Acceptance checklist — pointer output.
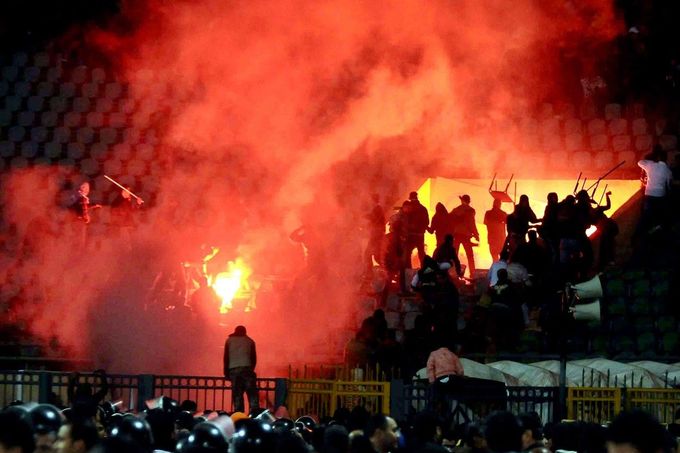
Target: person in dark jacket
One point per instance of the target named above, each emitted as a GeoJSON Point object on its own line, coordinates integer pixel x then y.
{"type": "Point", "coordinates": [240, 359]}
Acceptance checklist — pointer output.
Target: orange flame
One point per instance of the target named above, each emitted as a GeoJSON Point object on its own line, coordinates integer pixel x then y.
{"type": "Point", "coordinates": [231, 284]}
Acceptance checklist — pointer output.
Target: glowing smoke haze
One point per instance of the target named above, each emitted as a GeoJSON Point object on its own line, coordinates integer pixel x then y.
{"type": "Point", "coordinates": [275, 114]}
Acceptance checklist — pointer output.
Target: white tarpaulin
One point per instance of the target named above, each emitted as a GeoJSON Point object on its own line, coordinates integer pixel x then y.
{"type": "Point", "coordinates": [623, 374]}
{"type": "Point", "coordinates": [481, 371]}
{"type": "Point", "coordinates": [528, 375]}
{"type": "Point", "coordinates": [577, 375]}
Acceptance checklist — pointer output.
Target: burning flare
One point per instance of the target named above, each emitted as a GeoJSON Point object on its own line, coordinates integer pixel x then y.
{"type": "Point", "coordinates": [233, 284]}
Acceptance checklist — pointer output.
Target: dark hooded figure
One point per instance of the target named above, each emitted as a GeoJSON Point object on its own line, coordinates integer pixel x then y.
{"type": "Point", "coordinates": [441, 223]}
{"type": "Point", "coordinates": [240, 358]}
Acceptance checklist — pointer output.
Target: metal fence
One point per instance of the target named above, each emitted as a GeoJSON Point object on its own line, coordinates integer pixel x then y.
{"type": "Point", "coordinates": [593, 404]}
{"type": "Point", "coordinates": [322, 397]}
{"type": "Point", "coordinates": [132, 392]}
{"type": "Point", "coordinates": [417, 396]}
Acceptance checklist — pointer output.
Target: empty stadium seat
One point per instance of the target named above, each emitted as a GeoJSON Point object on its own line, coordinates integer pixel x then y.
{"type": "Point", "coordinates": [646, 343]}
{"type": "Point", "coordinates": [126, 106]}
{"type": "Point", "coordinates": [573, 126]}
{"type": "Point", "coordinates": [53, 150]}
{"type": "Point", "coordinates": [13, 103]}
{"type": "Point", "coordinates": [85, 135]}
{"type": "Point", "coordinates": [136, 167]}
{"type": "Point", "coordinates": [629, 157]}
{"type": "Point", "coordinates": [94, 119]}
{"type": "Point", "coordinates": [596, 126]}
{"type": "Point", "coordinates": [113, 167]}
{"type": "Point", "coordinates": [621, 143]}
{"type": "Point", "coordinates": [131, 135]}
{"type": "Point", "coordinates": [41, 59]}
{"type": "Point", "coordinates": [643, 143]}
{"type": "Point", "coordinates": [603, 160]}
{"type": "Point", "coordinates": [573, 142]}
{"type": "Point", "coordinates": [108, 135]}
{"type": "Point", "coordinates": [612, 111]}
{"type": "Point", "coordinates": [31, 74]}
{"type": "Point", "coordinates": [22, 89]}
{"type": "Point", "coordinates": [639, 126]}
{"type": "Point", "coordinates": [89, 90]}
{"type": "Point", "coordinates": [599, 142]}
{"type": "Point", "coordinates": [581, 160]}
{"type": "Point", "coordinates": [49, 119]}
{"type": "Point", "coordinates": [618, 127]}
{"type": "Point", "coordinates": [666, 324]}
{"type": "Point", "coordinates": [98, 75]}
{"type": "Point", "coordinates": [53, 74]}
{"type": "Point", "coordinates": [122, 151]}
{"type": "Point", "coordinates": [25, 119]}
{"type": "Point", "coordinates": [103, 105]}
{"type": "Point", "coordinates": [669, 343]}
{"type": "Point", "coordinates": [7, 148]}
{"type": "Point", "coordinates": [113, 90]}
{"type": "Point", "coordinates": [99, 151]}
{"type": "Point", "coordinates": [75, 151]}
{"type": "Point", "coordinates": [67, 89]}
{"type": "Point", "coordinates": [16, 133]}
{"type": "Point", "coordinates": [5, 118]}
{"type": "Point", "coordinates": [89, 167]}
{"type": "Point", "coordinates": [117, 120]}
{"type": "Point", "coordinates": [20, 59]}
{"type": "Point", "coordinates": [35, 103]}
{"type": "Point", "coordinates": [58, 104]}
{"type": "Point", "coordinates": [81, 105]}
{"type": "Point", "coordinates": [62, 134]}
{"type": "Point", "coordinates": [552, 142]}
{"type": "Point", "coordinates": [29, 150]}
{"type": "Point", "coordinates": [10, 73]}
{"type": "Point", "coordinates": [80, 74]}
{"type": "Point", "coordinates": [668, 142]}
{"type": "Point", "coordinates": [39, 134]}
{"type": "Point", "coordinates": [45, 89]}
{"type": "Point", "coordinates": [72, 119]}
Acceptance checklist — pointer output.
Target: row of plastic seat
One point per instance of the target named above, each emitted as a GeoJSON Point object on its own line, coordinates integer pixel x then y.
{"type": "Point", "coordinates": [23, 89]}
{"type": "Point", "coordinates": [577, 142]}
{"type": "Point", "coordinates": [33, 73]}
{"type": "Point", "coordinates": [595, 126]}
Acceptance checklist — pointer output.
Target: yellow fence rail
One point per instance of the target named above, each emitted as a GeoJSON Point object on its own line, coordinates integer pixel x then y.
{"type": "Point", "coordinates": [661, 403]}
{"type": "Point", "coordinates": [593, 404]}
{"type": "Point", "coordinates": [319, 397]}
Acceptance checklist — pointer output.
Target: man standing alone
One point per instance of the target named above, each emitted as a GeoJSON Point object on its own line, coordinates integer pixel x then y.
{"type": "Point", "coordinates": [240, 359]}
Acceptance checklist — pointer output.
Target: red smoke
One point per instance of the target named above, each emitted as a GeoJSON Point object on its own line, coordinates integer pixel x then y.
{"type": "Point", "coordinates": [274, 114]}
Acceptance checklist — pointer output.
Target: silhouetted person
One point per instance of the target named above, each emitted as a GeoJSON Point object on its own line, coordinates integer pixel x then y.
{"type": "Point", "coordinates": [503, 432]}
{"type": "Point", "coordinates": [441, 223]}
{"type": "Point", "coordinates": [464, 230]}
{"type": "Point", "coordinates": [445, 253]}
{"type": "Point", "coordinates": [376, 233]}
{"type": "Point", "coordinates": [549, 228]}
{"type": "Point", "coordinates": [417, 224]}
{"type": "Point", "coordinates": [84, 400]}
{"type": "Point", "coordinates": [240, 359]}
{"type": "Point", "coordinates": [532, 255]}
{"type": "Point", "coordinates": [520, 219]}
{"type": "Point", "coordinates": [608, 230]}
{"type": "Point", "coordinates": [495, 220]}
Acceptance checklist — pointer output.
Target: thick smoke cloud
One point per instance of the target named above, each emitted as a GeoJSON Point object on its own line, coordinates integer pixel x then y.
{"type": "Point", "coordinates": [276, 114]}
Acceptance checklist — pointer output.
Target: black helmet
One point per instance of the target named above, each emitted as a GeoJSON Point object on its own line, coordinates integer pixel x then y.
{"type": "Point", "coordinates": [136, 429]}
{"type": "Point", "coordinates": [184, 420]}
{"type": "Point", "coordinates": [283, 425]}
{"type": "Point", "coordinates": [306, 421]}
{"type": "Point", "coordinates": [205, 438]}
{"type": "Point", "coordinates": [169, 405]}
{"type": "Point", "coordinates": [253, 436]}
{"type": "Point", "coordinates": [45, 418]}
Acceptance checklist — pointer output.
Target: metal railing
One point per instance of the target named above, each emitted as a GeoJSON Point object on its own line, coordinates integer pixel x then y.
{"type": "Point", "coordinates": [133, 391]}
{"type": "Point", "coordinates": [661, 403]}
{"type": "Point", "coordinates": [322, 397]}
{"type": "Point", "coordinates": [593, 404]}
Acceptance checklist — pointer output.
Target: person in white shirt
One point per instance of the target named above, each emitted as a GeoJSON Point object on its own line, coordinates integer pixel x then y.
{"type": "Point", "coordinates": [659, 178]}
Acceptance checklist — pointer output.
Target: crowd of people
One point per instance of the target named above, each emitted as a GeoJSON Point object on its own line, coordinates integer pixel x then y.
{"type": "Point", "coordinates": [535, 258]}
{"type": "Point", "coordinates": [90, 425]}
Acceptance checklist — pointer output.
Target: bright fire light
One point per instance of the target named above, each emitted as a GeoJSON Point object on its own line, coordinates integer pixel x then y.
{"type": "Point", "coordinates": [232, 283]}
